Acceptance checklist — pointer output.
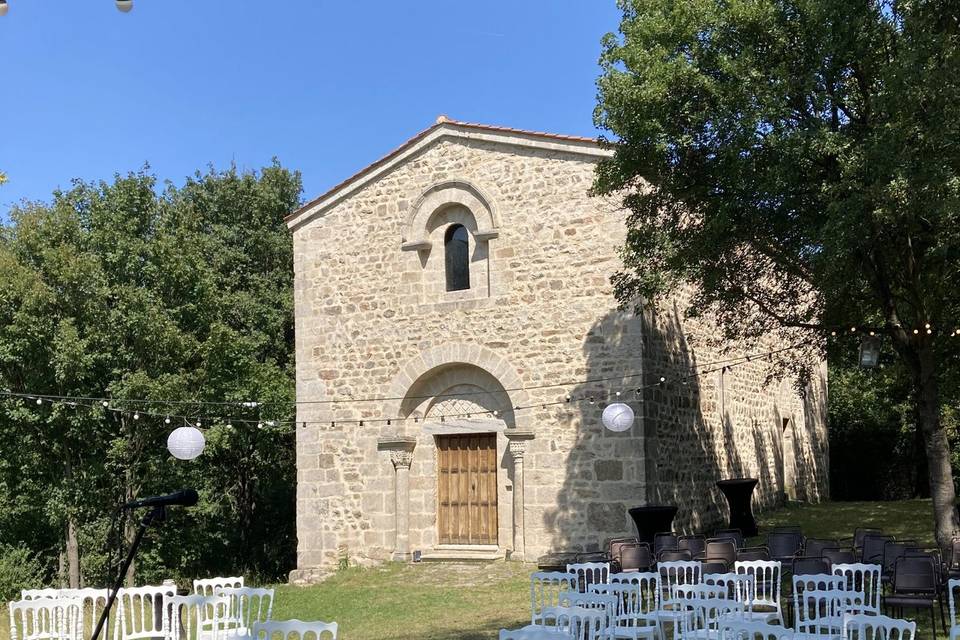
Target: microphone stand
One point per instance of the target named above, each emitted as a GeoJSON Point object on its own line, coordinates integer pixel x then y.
{"type": "Point", "coordinates": [158, 513]}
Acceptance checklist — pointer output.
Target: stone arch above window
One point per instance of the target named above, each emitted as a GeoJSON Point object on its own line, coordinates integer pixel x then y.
{"type": "Point", "coordinates": [416, 234]}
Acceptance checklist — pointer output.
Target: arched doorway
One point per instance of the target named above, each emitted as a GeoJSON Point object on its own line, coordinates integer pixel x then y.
{"type": "Point", "coordinates": [465, 411]}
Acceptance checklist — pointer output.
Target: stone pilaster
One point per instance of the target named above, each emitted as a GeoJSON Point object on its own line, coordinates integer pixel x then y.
{"type": "Point", "coordinates": [517, 447]}
{"type": "Point", "coordinates": [401, 455]}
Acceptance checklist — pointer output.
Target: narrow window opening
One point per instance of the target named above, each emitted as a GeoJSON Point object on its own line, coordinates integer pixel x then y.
{"type": "Point", "coordinates": [456, 245]}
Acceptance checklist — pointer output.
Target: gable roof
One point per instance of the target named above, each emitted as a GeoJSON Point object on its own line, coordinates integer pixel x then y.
{"type": "Point", "coordinates": [445, 128]}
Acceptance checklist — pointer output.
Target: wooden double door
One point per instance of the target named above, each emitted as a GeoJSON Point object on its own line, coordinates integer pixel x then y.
{"type": "Point", "coordinates": [467, 488]}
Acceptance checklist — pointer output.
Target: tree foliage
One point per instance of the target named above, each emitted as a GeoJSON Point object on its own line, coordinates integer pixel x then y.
{"type": "Point", "coordinates": [126, 291]}
{"type": "Point", "coordinates": [797, 160]}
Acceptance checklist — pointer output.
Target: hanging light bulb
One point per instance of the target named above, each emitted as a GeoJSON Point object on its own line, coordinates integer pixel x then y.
{"type": "Point", "coordinates": [39, 400]}
{"type": "Point", "coordinates": [136, 416]}
{"type": "Point", "coordinates": [105, 404]}
{"type": "Point", "coordinates": [166, 420]}
{"type": "Point", "coordinates": [124, 6]}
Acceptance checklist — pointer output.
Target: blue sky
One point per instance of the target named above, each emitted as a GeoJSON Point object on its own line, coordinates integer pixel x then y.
{"type": "Point", "coordinates": [327, 87]}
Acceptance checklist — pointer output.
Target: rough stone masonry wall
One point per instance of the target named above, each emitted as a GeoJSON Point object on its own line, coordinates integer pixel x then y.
{"type": "Point", "coordinates": [726, 424]}
{"type": "Point", "coordinates": [364, 320]}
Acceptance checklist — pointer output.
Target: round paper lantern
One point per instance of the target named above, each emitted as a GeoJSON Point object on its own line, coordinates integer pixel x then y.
{"type": "Point", "coordinates": [124, 5]}
{"type": "Point", "coordinates": [3, 7]}
{"type": "Point", "coordinates": [185, 443]}
{"type": "Point", "coordinates": [618, 416]}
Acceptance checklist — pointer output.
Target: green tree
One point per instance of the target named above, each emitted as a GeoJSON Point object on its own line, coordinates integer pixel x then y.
{"type": "Point", "coordinates": [797, 160]}
{"type": "Point", "coordinates": [115, 290]}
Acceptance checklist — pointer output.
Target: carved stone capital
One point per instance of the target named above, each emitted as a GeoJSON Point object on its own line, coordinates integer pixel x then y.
{"type": "Point", "coordinates": [401, 459]}
{"type": "Point", "coordinates": [518, 442]}
{"type": "Point", "coordinates": [400, 449]}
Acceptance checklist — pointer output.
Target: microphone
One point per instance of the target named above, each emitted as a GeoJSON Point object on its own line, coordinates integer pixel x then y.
{"type": "Point", "coordinates": [183, 498]}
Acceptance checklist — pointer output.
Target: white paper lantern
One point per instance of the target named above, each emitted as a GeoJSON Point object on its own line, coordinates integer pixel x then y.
{"type": "Point", "coordinates": [124, 6]}
{"type": "Point", "coordinates": [186, 443]}
{"type": "Point", "coordinates": [618, 416]}
{"type": "Point", "coordinates": [4, 7]}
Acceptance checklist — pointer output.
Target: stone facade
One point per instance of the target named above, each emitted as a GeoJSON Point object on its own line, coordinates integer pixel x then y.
{"type": "Point", "coordinates": [374, 320]}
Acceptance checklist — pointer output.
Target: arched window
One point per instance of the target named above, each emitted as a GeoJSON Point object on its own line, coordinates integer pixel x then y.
{"type": "Point", "coordinates": [456, 245]}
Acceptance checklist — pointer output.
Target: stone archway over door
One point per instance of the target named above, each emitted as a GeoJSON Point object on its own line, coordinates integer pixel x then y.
{"type": "Point", "coordinates": [467, 489]}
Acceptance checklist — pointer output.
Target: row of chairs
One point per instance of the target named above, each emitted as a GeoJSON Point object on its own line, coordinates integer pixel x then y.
{"type": "Point", "coordinates": [915, 578]}
{"type": "Point", "coordinates": [218, 608]}
{"type": "Point", "coordinates": [574, 623]}
{"type": "Point", "coordinates": [586, 603]}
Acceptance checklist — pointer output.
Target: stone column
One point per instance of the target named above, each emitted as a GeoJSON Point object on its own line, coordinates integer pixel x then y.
{"type": "Point", "coordinates": [518, 446]}
{"type": "Point", "coordinates": [401, 455]}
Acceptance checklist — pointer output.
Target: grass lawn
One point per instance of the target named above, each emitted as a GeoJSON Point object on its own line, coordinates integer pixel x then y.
{"type": "Point", "coordinates": [426, 601]}
{"type": "Point", "coordinates": [473, 601]}
{"type": "Point", "coordinates": [908, 519]}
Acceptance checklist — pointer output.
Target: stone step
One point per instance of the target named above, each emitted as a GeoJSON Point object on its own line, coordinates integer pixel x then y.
{"type": "Point", "coordinates": [463, 555]}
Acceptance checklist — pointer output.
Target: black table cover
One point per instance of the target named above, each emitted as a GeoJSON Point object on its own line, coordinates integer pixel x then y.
{"type": "Point", "coordinates": [739, 492]}
{"type": "Point", "coordinates": [652, 519]}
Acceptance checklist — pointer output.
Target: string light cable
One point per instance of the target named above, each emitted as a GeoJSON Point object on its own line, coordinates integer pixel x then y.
{"type": "Point", "coordinates": [202, 419]}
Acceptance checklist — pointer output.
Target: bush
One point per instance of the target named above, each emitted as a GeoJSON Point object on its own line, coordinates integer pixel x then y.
{"type": "Point", "coordinates": [19, 569]}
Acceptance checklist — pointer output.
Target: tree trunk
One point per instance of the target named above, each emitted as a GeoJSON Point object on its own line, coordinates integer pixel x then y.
{"type": "Point", "coordinates": [921, 471]}
{"type": "Point", "coordinates": [73, 553]}
{"type": "Point", "coordinates": [72, 544]}
{"type": "Point", "coordinates": [130, 532]}
{"type": "Point", "coordinates": [927, 396]}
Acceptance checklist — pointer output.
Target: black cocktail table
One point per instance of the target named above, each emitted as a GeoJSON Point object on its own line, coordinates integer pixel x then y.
{"type": "Point", "coordinates": [739, 492]}
{"type": "Point", "coordinates": [652, 519]}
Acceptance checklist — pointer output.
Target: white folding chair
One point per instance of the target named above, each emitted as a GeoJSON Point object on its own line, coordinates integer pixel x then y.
{"type": "Point", "coordinates": [140, 613]}
{"type": "Point", "coordinates": [701, 591]}
{"type": "Point", "coordinates": [864, 578]}
{"type": "Point", "coordinates": [952, 585]}
{"type": "Point", "coordinates": [533, 633]}
{"type": "Point", "coordinates": [736, 586]}
{"type": "Point", "coordinates": [209, 586]}
{"type": "Point", "coordinates": [183, 616]}
{"type": "Point", "coordinates": [92, 602]}
{"type": "Point", "coordinates": [818, 613]}
{"type": "Point", "coordinates": [633, 619]}
{"type": "Point", "coordinates": [282, 630]}
{"type": "Point", "coordinates": [763, 595]}
{"type": "Point", "coordinates": [813, 582]}
{"type": "Point", "coordinates": [577, 622]}
{"type": "Point", "coordinates": [671, 575]}
{"type": "Point", "coordinates": [247, 605]}
{"type": "Point", "coordinates": [589, 573]}
{"type": "Point", "coordinates": [545, 589]}
{"type": "Point", "coordinates": [744, 629]}
{"type": "Point", "coordinates": [33, 594]}
{"type": "Point", "coordinates": [705, 617]}
{"type": "Point", "coordinates": [877, 627]}
{"type": "Point", "coordinates": [45, 619]}
{"type": "Point", "coordinates": [646, 617]}
{"type": "Point", "coordinates": [600, 601]}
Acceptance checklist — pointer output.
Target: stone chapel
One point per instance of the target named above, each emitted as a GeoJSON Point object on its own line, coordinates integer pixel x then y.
{"type": "Point", "coordinates": [456, 342]}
